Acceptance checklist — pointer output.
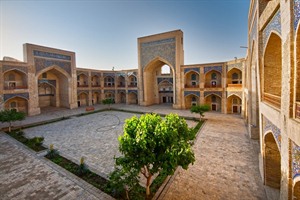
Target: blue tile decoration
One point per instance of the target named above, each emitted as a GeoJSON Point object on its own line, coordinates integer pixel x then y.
{"type": "Point", "coordinates": [9, 96]}
{"type": "Point", "coordinates": [82, 91]}
{"type": "Point", "coordinates": [99, 91]}
{"type": "Point", "coordinates": [109, 91]}
{"type": "Point", "coordinates": [295, 160]}
{"type": "Point", "coordinates": [165, 49]}
{"type": "Point", "coordinates": [50, 82]}
{"type": "Point", "coordinates": [41, 64]}
{"type": "Point", "coordinates": [195, 69]}
{"type": "Point", "coordinates": [159, 80]}
{"type": "Point", "coordinates": [96, 74]}
{"type": "Point", "coordinates": [236, 65]}
{"type": "Point", "coordinates": [218, 93]}
{"type": "Point", "coordinates": [82, 72]}
{"type": "Point", "coordinates": [121, 74]}
{"type": "Point", "coordinates": [253, 33]}
{"type": "Point", "coordinates": [121, 91]}
{"type": "Point", "coordinates": [210, 68]}
{"type": "Point", "coordinates": [196, 93]}
{"type": "Point", "coordinates": [269, 126]}
{"type": "Point", "coordinates": [296, 13]}
{"type": "Point", "coordinates": [109, 74]}
{"type": "Point", "coordinates": [51, 55]}
{"type": "Point", "coordinates": [239, 94]}
{"type": "Point", "coordinates": [6, 68]}
{"type": "Point", "coordinates": [273, 25]}
{"type": "Point", "coordinates": [132, 91]}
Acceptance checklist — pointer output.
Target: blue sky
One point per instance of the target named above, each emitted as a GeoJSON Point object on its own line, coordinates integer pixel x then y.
{"type": "Point", "coordinates": [103, 34]}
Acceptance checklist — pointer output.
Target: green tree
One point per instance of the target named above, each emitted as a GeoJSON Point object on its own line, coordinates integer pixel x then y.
{"type": "Point", "coordinates": [11, 116]}
{"type": "Point", "coordinates": [108, 102]}
{"type": "Point", "coordinates": [200, 109]}
{"type": "Point", "coordinates": [151, 144]}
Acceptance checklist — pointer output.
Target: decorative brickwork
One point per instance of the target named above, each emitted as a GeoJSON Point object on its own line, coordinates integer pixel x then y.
{"type": "Point", "coordinates": [218, 93]}
{"type": "Point", "coordinates": [295, 159]}
{"type": "Point", "coordinates": [6, 68]}
{"type": "Point", "coordinates": [51, 55]}
{"type": "Point", "coordinates": [82, 72]}
{"type": "Point", "coordinates": [41, 64]}
{"type": "Point", "coordinates": [186, 70]}
{"type": "Point", "coordinates": [96, 74]}
{"type": "Point", "coordinates": [51, 82]}
{"type": "Point", "coordinates": [109, 74]}
{"type": "Point", "coordinates": [159, 80]}
{"type": "Point", "coordinates": [269, 126]}
{"type": "Point", "coordinates": [121, 91]}
{"type": "Point", "coordinates": [210, 68]}
{"type": "Point", "coordinates": [196, 93]}
{"type": "Point", "coordinates": [236, 65]}
{"type": "Point", "coordinates": [132, 91]}
{"type": "Point", "coordinates": [82, 91]}
{"type": "Point", "coordinates": [165, 49]}
{"type": "Point", "coordinates": [239, 94]}
{"type": "Point", "coordinates": [274, 25]}
{"type": "Point", "coordinates": [9, 96]}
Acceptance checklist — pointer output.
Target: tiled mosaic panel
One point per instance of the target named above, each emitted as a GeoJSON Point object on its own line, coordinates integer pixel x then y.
{"type": "Point", "coordinates": [51, 82]}
{"type": "Point", "coordinates": [295, 159]}
{"type": "Point", "coordinates": [274, 25]}
{"type": "Point", "coordinates": [239, 94]}
{"type": "Point", "coordinates": [10, 67]}
{"type": "Point", "coordinates": [296, 13]}
{"type": "Point", "coordinates": [237, 65]}
{"type": "Point", "coordinates": [108, 74]}
{"type": "Point", "coordinates": [132, 91]}
{"type": "Point", "coordinates": [210, 68]}
{"type": "Point", "coordinates": [196, 93]}
{"type": "Point", "coordinates": [51, 55]}
{"type": "Point", "coordinates": [186, 70]}
{"type": "Point", "coordinates": [41, 64]}
{"type": "Point", "coordinates": [9, 96]}
{"type": "Point", "coordinates": [159, 80]}
{"type": "Point", "coordinates": [269, 126]}
{"type": "Point", "coordinates": [82, 72]}
{"type": "Point", "coordinates": [207, 93]}
{"type": "Point", "coordinates": [165, 49]}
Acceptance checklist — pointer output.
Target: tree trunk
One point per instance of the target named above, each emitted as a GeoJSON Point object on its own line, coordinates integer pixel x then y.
{"type": "Point", "coordinates": [148, 185]}
{"type": "Point", "coordinates": [9, 127]}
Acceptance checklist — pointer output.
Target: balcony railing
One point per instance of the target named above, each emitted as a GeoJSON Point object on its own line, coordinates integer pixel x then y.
{"type": "Point", "coordinates": [212, 86]}
{"type": "Point", "coordinates": [272, 99]}
{"type": "Point", "coordinates": [191, 86]}
{"type": "Point", "coordinates": [297, 113]}
{"type": "Point", "coordinates": [82, 85]}
{"type": "Point", "coordinates": [234, 85]}
{"type": "Point", "coordinates": [96, 85]}
{"type": "Point", "coordinates": [15, 87]}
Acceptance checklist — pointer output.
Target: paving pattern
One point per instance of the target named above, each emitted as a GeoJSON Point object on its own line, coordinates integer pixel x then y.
{"type": "Point", "coordinates": [226, 165]}
{"type": "Point", "coordinates": [23, 175]}
{"type": "Point", "coordinates": [94, 136]}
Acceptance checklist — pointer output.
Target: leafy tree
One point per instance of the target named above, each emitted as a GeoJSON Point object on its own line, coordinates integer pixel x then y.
{"type": "Point", "coordinates": [11, 116]}
{"type": "Point", "coordinates": [200, 109]}
{"type": "Point", "coordinates": [108, 102]}
{"type": "Point", "coordinates": [151, 144]}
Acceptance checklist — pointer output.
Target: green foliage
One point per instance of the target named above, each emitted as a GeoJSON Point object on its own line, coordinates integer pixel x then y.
{"type": "Point", "coordinates": [82, 169]}
{"type": "Point", "coordinates": [33, 143]}
{"type": "Point", "coordinates": [108, 102]}
{"type": "Point", "coordinates": [11, 116]}
{"type": "Point", "coordinates": [52, 152]}
{"type": "Point", "coordinates": [151, 144]}
{"type": "Point", "coordinates": [200, 109]}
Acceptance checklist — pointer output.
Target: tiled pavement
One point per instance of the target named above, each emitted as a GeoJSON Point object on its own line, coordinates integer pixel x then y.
{"type": "Point", "coordinates": [226, 165]}
{"type": "Point", "coordinates": [25, 175]}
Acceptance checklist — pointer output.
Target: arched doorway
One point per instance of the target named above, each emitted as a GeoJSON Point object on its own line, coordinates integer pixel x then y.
{"type": "Point", "coordinates": [272, 161]}
{"type": "Point", "coordinates": [213, 79]}
{"type": "Point", "coordinates": [121, 81]}
{"type": "Point", "coordinates": [132, 98]}
{"type": "Point", "coordinates": [95, 81]}
{"type": "Point", "coordinates": [53, 88]}
{"type": "Point", "coordinates": [272, 71]}
{"type": "Point", "coordinates": [122, 97]}
{"type": "Point", "coordinates": [109, 81]}
{"type": "Point", "coordinates": [214, 101]}
{"type": "Point", "coordinates": [96, 98]}
{"type": "Point", "coordinates": [191, 100]}
{"type": "Point", "coordinates": [82, 99]}
{"type": "Point", "coordinates": [153, 73]}
{"type": "Point", "coordinates": [192, 80]}
{"type": "Point", "coordinates": [165, 92]}
{"type": "Point", "coordinates": [17, 103]}
{"type": "Point", "coordinates": [234, 104]}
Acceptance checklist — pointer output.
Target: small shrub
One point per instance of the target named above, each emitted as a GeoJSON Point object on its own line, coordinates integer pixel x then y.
{"type": "Point", "coordinates": [82, 169]}
{"type": "Point", "coordinates": [52, 152]}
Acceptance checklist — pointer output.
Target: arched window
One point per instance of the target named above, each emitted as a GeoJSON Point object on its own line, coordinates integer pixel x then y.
{"type": "Point", "coordinates": [213, 76]}
{"type": "Point", "coordinates": [235, 76]}
{"type": "Point", "coordinates": [194, 98]}
{"type": "Point", "coordinates": [165, 69]}
{"type": "Point", "coordinates": [234, 101]}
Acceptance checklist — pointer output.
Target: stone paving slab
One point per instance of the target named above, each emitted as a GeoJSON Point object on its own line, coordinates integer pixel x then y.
{"type": "Point", "coordinates": [23, 175]}
{"type": "Point", "coordinates": [226, 165]}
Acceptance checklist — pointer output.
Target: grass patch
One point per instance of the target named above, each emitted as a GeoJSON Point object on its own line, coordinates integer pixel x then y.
{"type": "Point", "coordinates": [33, 143]}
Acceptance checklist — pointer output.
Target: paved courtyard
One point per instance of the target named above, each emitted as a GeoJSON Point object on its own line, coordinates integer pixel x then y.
{"type": "Point", "coordinates": [226, 164]}
{"type": "Point", "coordinates": [94, 136]}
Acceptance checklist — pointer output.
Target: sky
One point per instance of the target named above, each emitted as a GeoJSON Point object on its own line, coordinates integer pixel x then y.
{"type": "Point", "coordinates": [103, 34]}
